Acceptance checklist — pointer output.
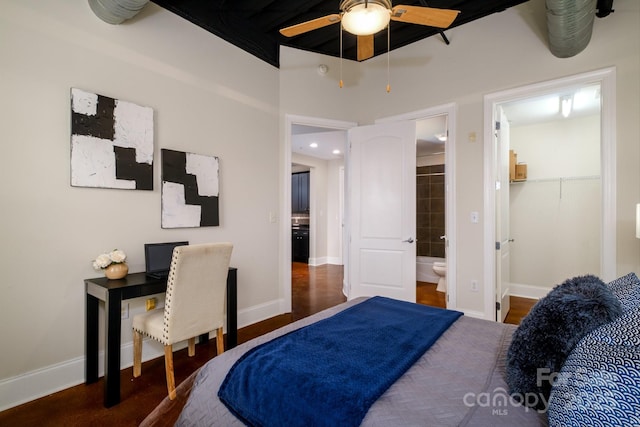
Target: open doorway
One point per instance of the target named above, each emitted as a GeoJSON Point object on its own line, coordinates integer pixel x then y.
{"type": "Point", "coordinates": [436, 231]}
{"type": "Point", "coordinates": [551, 219]}
{"type": "Point", "coordinates": [309, 148]}
{"type": "Point", "coordinates": [431, 250]}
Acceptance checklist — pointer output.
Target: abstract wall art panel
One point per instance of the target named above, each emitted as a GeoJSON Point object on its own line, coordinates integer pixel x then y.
{"type": "Point", "coordinates": [111, 142]}
{"type": "Point", "coordinates": [190, 190]}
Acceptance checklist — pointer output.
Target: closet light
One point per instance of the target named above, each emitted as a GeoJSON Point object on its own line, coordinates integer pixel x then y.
{"type": "Point", "coordinates": [566, 106]}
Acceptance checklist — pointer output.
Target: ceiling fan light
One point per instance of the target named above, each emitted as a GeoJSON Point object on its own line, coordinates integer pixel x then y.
{"type": "Point", "coordinates": [364, 20]}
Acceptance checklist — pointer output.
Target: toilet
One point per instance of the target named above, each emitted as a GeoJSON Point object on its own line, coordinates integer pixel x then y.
{"type": "Point", "coordinates": [440, 268]}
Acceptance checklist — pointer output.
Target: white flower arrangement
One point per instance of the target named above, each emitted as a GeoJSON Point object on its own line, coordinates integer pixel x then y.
{"type": "Point", "coordinates": [102, 261]}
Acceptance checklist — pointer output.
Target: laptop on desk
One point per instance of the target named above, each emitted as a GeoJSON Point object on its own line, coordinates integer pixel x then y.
{"type": "Point", "coordinates": [157, 258]}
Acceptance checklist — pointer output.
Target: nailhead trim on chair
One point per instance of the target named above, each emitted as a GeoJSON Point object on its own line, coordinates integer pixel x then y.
{"type": "Point", "coordinates": [169, 294]}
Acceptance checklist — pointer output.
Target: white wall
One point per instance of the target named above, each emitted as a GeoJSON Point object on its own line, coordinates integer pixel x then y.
{"type": "Point", "coordinates": [203, 91]}
{"type": "Point", "coordinates": [555, 215]}
{"type": "Point", "coordinates": [559, 148]}
{"type": "Point", "coordinates": [334, 211]}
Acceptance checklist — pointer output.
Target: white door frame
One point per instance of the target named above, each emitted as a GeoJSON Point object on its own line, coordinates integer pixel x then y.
{"type": "Point", "coordinates": [607, 79]}
{"type": "Point", "coordinates": [450, 200]}
{"type": "Point", "coordinates": [503, 231]}
{"type": "Point", "coordinates": [285, 214]}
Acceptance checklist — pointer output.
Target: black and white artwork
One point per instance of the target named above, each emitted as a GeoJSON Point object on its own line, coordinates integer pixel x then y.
{"type": "Point", "coordinates": [190, 190]}
{"type": "Point", "coordinates": [111, 142]}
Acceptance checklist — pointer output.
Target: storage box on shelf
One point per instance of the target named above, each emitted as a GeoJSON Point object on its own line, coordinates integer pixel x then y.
{"type": "Point", "coordinates": [517, 171]}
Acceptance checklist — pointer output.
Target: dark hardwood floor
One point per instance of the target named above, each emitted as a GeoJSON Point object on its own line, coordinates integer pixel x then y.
{"type": "Point", "coordinates": [313, 289]}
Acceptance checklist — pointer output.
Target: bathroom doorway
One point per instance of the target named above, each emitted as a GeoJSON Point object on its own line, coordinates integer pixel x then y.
{"type": "Point", "coordinates": [435, 200]}
{"type": "Point", "coordinates": [431, 250]}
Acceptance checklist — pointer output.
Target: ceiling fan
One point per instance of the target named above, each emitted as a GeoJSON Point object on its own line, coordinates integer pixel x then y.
{"type": "Point", "coordinates": [364, 18]}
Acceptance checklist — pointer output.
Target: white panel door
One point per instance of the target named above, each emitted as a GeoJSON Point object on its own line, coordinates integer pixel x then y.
{"type": "Point", "coordinates": [503, 234]}
{"type": "Point", "coordinates": [382, 206]}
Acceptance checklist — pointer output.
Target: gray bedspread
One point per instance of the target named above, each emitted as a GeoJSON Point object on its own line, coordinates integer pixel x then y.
{"type": "Point", "coordinates": [459, 381]}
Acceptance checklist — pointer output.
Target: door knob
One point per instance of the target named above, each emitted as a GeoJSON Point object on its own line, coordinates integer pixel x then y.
{"type": "Point", "coordinates": [409, 240]}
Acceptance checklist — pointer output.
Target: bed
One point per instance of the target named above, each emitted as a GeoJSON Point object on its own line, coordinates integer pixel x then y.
{"type": "Point", "coordinates": [461, 380]}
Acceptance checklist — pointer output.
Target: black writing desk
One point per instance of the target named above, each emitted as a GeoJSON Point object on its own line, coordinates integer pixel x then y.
{"type": "Point", "coordinates": [111, 293]}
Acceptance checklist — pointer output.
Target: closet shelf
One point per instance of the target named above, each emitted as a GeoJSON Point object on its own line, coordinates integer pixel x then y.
{"type": "Point", "coordinates": [561, 178]}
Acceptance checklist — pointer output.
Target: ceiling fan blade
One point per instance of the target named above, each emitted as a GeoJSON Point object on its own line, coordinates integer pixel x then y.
{"type": "Point", "coordinates": [365, 47]}
{"type": "Point", "coordinates": [314, 24]}
{"type": "Point", "coordinates": [440, 18]}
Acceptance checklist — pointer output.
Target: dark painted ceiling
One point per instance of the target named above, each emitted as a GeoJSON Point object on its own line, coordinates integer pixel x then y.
{"type": "Point", "coordinates": [253, 25]}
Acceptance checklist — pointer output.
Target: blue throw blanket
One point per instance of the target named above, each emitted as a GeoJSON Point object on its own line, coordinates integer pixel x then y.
{"type": "Point", "coordinates": [331, 372]}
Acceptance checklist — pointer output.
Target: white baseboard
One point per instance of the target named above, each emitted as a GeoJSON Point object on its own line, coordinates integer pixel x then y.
{"type": "Point", "coordinates": [472, 313]}
{"type": "Point", "coordinates": [427, 277]}
{"type": "Point", "coordinates": [260, 312]}
{"type": "Point", "coordinates": [38, 383]}
{"type": "Point", "coordinates": [26, 387]}
{"type": "Point", "coordinates": [317, 261]}
{"type": "Point", "coordinates": [325, 260]}
{"type": "Point", "coordinates": [51, 379]}
{"type": "Point", "coordinates": [527, 291]}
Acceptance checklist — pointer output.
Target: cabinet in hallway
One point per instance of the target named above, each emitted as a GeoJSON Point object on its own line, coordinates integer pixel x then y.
{"type": "Point", "coordinates": [300, 244]}
{"type": "Point", "coordinates": [300, 192]}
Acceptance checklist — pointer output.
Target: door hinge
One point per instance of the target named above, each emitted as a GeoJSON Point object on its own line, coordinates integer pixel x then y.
{"type": "Point", "coordinates": [497, 125]}
{"type": "Point", "coordinates": [497, 305]}
{"type": "Point", "coordinates": [497, 246]}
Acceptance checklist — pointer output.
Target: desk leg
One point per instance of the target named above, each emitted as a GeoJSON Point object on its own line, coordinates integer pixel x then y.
{"type": "Point", "coordinates": [112, 334]}
{"type": "Point", "coordinates": [91, 339]}
{"type": "Point", "coordinates": [232, 309]}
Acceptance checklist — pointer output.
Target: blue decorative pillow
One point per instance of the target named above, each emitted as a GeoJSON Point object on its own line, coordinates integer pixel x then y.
{"type": "Point", "coordinates": [627, 290]}
{"type": "Point", "coordinates": [551, 330]}
{"type": "Point", "coordinates": [625, 330]}
{"type": "Point", "coordinates": [599, 385]}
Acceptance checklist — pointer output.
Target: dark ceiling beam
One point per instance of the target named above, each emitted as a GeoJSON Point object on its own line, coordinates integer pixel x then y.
{"type": "Point", "coordinates": [284, 14]}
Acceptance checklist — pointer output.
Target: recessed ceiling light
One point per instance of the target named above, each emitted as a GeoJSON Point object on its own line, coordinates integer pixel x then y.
{"type": "Point", "coordinates": [336, 151]}
{"type": "Point", "coordinates": [313, 145]}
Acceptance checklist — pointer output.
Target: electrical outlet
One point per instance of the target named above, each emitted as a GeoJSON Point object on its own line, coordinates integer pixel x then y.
{"type": "Point", "coordinates": [474, 286]}
{"type": "Point", "coordinates": [151, 304]}
{"type": "Point", "coordinates": [124, 312]}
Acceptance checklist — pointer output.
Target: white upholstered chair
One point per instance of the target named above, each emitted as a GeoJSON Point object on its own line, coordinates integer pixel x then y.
{"type": "Point", "coordinates": [194, 304]}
